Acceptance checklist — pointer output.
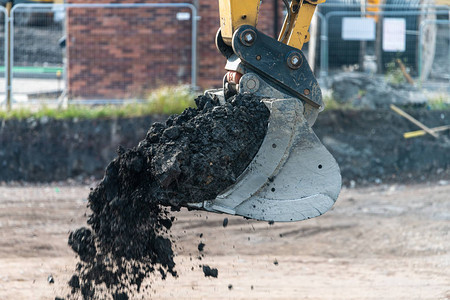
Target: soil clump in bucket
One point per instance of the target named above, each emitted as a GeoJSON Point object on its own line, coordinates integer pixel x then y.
{"type": "Point", "coordinates": [191, 158]}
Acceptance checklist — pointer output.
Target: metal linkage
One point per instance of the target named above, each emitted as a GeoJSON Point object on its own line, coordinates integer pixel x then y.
{"type": "Point", "coordinates": [284, 66]}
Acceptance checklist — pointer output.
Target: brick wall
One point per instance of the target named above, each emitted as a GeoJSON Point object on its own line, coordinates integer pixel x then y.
{"type": "Point", "coordinates": [124, 53]}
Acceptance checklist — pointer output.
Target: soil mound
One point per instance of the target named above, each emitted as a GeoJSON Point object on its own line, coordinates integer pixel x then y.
{"type": "Point", "coordinates": [191, 158]}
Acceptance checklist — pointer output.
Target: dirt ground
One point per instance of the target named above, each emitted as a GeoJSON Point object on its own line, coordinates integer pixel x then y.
{"type": "Point", "coordinates": [384, 242]}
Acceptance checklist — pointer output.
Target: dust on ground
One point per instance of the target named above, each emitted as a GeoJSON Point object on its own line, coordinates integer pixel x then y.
{"type": "Point", "coordinates": [384, 242]}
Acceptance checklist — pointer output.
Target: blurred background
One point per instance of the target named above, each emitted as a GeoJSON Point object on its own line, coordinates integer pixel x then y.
{"type": "Point", "coordinates": [72, 51]}
{"type": "Point", "coordinates": [78, 78]}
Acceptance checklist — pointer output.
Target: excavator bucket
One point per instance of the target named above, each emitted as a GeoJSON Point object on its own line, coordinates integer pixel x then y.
{"type": "Point", "coordinates": [293, 177]}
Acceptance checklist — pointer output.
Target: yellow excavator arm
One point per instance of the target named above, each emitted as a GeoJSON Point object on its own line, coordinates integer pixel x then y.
{"type": "Point", "coordinates": [235, 13]}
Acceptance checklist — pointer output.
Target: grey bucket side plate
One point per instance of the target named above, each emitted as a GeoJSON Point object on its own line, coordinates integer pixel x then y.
{"type": "Point", "coordinates": [293, 177]}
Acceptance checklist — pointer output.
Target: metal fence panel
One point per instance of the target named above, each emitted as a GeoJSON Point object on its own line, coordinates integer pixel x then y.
{"type": "Point", "coordinates": [122, 51]}
{"type": "Point", "coordinates": [101, 52]}
{"type": "Point", "coordinates": [359, 55]}
{"type": "Point", "coordinates": [37, 58]}
{"type": "Point", "coordinates": [3, 39]}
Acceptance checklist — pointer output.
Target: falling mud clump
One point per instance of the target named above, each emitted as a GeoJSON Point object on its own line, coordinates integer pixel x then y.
{"type": "Point", "coordinates": [201, 246]}
{"type": "Point", "coordinates": [191, 158]}
{"type": "Point", "coordinates": [210, 272]}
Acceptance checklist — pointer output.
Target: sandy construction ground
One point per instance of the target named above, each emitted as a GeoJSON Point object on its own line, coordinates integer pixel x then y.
{"type": "Point", "coordinates": [386, 242]}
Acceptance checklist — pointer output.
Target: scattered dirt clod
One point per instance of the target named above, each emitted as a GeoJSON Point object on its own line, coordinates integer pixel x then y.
{"type": "Point", "coordinates": [50, 279]}
{"type": "Point", "coordinates": [210, 272]}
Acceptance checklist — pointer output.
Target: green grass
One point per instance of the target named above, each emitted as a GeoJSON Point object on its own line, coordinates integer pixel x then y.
{"type": "Point", "coordinates": [331, 104]}
{"type": "Point", "coordinates": [394, 74]}
{"type": "Point", "coordinates": [171, 100]}
{"type": "Point", "coordinates": [441, 102]}
{"type": "Point", "coordinates": [167, 100]}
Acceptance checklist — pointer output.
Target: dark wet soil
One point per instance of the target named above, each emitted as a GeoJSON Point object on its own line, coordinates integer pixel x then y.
{"type": "Point", "coordinates": [210, 272]}
{"type": "Point", "coordinates": [367, 144]}
{"type": "Point", "coordinates": [191, 158]}
{"type": "Point", "coordinates": [201, 247]}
